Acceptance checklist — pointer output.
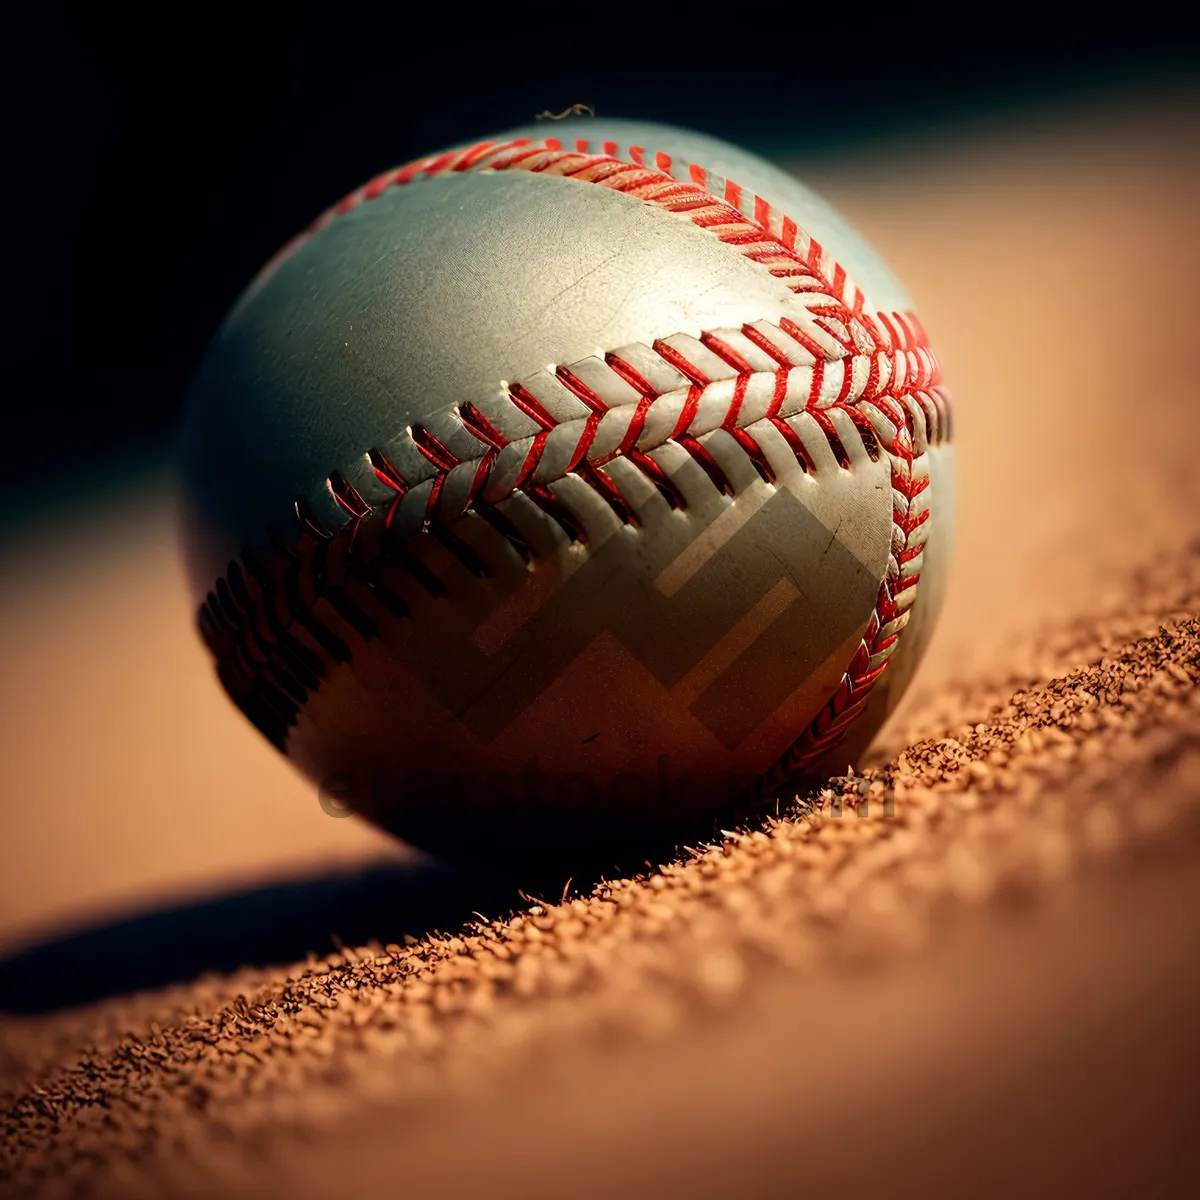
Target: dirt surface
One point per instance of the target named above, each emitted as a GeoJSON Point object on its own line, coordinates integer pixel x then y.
{"type": "Point", "coordinates": [970, 969]}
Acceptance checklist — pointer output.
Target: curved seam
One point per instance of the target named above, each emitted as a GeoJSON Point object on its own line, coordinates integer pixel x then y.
{"type": "Point", "coordinates": [888, 385]}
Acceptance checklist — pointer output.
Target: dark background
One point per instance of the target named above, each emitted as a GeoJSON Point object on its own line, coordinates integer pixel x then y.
{"type": "Point", "coordinates": [151, 169]}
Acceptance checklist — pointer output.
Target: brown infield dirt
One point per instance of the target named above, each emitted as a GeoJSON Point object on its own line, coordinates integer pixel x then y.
{"type": "Point", "coordinates": [992, 989]}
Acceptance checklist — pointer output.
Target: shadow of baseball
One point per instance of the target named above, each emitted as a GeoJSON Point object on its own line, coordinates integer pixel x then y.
{"type": "Point", "coordinates": [284, 921]}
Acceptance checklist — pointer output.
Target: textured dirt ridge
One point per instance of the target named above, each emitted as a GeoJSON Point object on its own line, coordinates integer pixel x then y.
{"type": "Point", "coordinates": [1087, 750]}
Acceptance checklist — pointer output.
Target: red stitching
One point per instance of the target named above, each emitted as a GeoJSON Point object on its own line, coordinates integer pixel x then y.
{"type": "Point", "coordinates": [431, 504]}
{"type": "Point", "coordinates": [754, 453]}
{"type": "Point", "coordinates": [347, 496]}
{"type": "Point", "coordinates": [530, 405]}
{"type": "Point", "coordinates": [630, 376]}
{"type": "Point", "coordinates": [796, 446]}
{"type": "Point", "coordinates": [585, 443]}
{"type": "Point", "coordinates": [661, 480]}
{"type": "Point", "coordinates": [723, 215]}
{"type": "Point", "coordinates": [831, 436]}
{"type": "Point", "coordinates": [725, 352]}
{"type": "Point", "coordinates": [865, 431]}
{"type": "Point", "coordinates": [687, 414]}
{"type": "Point", "coordinates": [267, 670]}
{"type": "Point", "coordinates": [580, 390]}
{"type": "Point", "coordinates": [818, 382]}
{"type": "Point", "coordinates": [709, 465]}
{"type": "Point", "coordinates": [794, 331]}
{"type": "Point", "coordinates": [385, 472]}
{"type": "Point", "coordinates": [557, 511]}
{"type": "Point", "coordinates": [531, 460]}
{"type": "Point", "coordinates": [765, 345]}
{"type": "Point", "coordinates": [479, 427]}
{"type": "Point", "coordinates": [480, 478]}
{"type": "Point", "coordinates": [735, 403]}
{"type": "Point", "coordinates": [433, 449]}
{"type": "Point", "coordinates": [611, 494]}
{"type": "Point", "coordinates": [687, 369]}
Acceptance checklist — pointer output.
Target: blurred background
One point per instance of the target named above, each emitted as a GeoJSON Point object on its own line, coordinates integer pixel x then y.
{"type": "Point", "coordinates": [1030, 193]}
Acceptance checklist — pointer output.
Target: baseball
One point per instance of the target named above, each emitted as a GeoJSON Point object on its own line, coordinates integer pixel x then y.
{"type": "Point", "coordinates": [562, 488]}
